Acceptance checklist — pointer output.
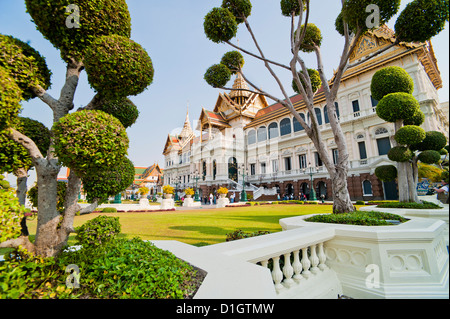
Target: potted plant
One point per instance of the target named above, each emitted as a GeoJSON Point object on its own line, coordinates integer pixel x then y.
{"type": "Point", "coordinates": [222, 191]}
{"type": "Point", "coordinates": [168, 191]}
{"type": "Point", "coordinates": [189, 192]}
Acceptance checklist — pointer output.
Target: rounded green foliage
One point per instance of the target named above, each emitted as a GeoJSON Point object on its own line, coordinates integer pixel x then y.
{"type": "Point", "coordinates": [421, 20]}
{"type": "Point", "coordinates": [289, 7]}
{"type": "Point", "coordinates": [10, 97]}
{"type": "Point", "coordinates": [397, 106]}
{"type": "Point", "coordinates": [434, 140]}
{"type": "Point", "coordinates": [220, 25]}
{"type": "Point", "coordinates": [391, 79]}
{"type": "Point", "coordinates": [314, 76]}
{"type": "Point", "coordinates": [410, 134]}
{"type": "Point", "coordinates": [417, 119]}
{"type": "Point", "coordinates": [313, 37]}
{"type": "Point", "coordinates": [239, 8]}
{"type": "Point", "coordinates": [233, 60]}
{"type": "Point", "coordinates": [386, 173]}
{"type": "Point", "coordinates": [339, 25]}
{"type": "Point", "coordinates": [400, 154]}
{"type": "Point", "coordinates": [123, 109]}
{"type": "Point", "coordinates": [27, 67]}
{"type": "Point", "coordinates": [354, 12]}
{"type": "Point", "coordinates": [98, 231]}
{"type": "Point", "coordinates": [11, 212]}
{"type": "Point", "coordinates": [218, 75]}
{"type": "Point", "coordinates": [118, 67]}
{"type": "Point", "coordinates": [96, 17]}
{"type": "Point", "coordinates": [108, 180]}
{"type": "Point", "coordinates": [429, 157]}
{"type": "Point", "coordinates": [13, 156]}
{"type": "Point", "coordinates": [89, 140]}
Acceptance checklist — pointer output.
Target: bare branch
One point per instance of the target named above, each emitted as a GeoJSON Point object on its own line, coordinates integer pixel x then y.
{"type": "Point", "coordinates": [26, 142]}
{"type": "Point", "coordinates": [23, 241]}
{"type": "Point", "coordinates": [257, 56]}
{"type": "Point", "coordinates": [45, 97]}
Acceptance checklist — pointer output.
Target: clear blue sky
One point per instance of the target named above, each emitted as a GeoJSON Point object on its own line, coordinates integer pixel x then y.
{"type": "Point", "coordinates": [172, 33]}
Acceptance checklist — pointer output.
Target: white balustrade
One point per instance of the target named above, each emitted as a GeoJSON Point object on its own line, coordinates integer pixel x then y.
{"type": "Point", "coordinates": [310, 263]}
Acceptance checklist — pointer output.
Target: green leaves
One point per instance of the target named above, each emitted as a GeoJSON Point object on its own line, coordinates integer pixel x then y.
{"type": "Point", "coordinates": [220, 25]}
{"type": "Point", "coordinates": [421, 20]}
{"type": "Point", "coordinates": [108, 180]}
{"type": "Point", "coordinates": [313, 37]}
{"type": "Point", "coordinates": [239, 8]}
{"type": "Point", "coordinates": [355, 14]}
{"type": "Point", "coordinates": [314, 76]}
{"type": "Point", "coordinates": [397, 106]}
{"type": "Point", "coordinates": [118, 67]}
{"type": "Point", "coordinates": [97, 18]}
{"type": "Point", "coordinates": [11, 212]}
{"type": "Point", "coordinates": [410, 134]}
{"type": "Point", "coordinates": [386, 173]}
{"type": "Point", "coordinates": [10, 97]}
{"type": "Point", "coordinates": [289, 7]}
{"type": "Point", "coordinates": [98, 231]}
{"type": "Point", "coordinates": [89, 140]}
{"type": "Point", "coordinates": [233, 60]}
{"type": "Point", "coordinates": [123, 109]}
{"type": "Point", "coordinates": [391, 79]}
{"type": "Point", "coordinates": [218, 75]}
{"type": "Point", "coordinates": [24, 64]}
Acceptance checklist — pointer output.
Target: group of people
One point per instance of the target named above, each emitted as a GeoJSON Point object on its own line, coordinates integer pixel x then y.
{"type": "Point", "coordinates": [291, 196]}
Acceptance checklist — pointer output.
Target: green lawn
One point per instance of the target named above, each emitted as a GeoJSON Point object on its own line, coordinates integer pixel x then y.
{"type": "Point", "coordinates": [202, 226]}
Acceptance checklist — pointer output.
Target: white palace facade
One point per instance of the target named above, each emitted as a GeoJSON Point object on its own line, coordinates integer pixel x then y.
{"type": "Point", "coordinates": [245, 136]}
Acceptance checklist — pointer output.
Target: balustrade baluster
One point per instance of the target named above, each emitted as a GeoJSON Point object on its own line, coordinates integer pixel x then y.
{"type": "Point", "coordinates": [277, 274]}
{"type": "Point", "coordinates": [264, 263]}
{"type": "Point", "coordinates": [322, 258]}
{"type": "Point", "coordinates": [288, 271]}
{"type": "Point", "coordinates": [305, 263]}
{"type": "Point", "coordinates": [297, 266]}
{"type": "Point", "coordinates": [314, 260]}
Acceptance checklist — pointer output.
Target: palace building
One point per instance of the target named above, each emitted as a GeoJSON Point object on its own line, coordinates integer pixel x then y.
{"type": "Point", "coordinates": [246, 141]}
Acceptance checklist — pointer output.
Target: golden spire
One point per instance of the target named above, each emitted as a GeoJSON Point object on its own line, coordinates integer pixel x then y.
{"type": "Point", "coordinates": [238, 93]}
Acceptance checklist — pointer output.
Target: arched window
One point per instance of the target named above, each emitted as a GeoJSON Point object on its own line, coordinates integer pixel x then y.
{"type": "Point", "coordinates": [318, 115]}
{"type": "Point", "coordinates": [297, 126]}
{"type": "Point", "coordinates": [285, 126]}
{"type": "Point", "coordinates": [262, 134]}
{"type": "Point", "coordinates": [204, 170]}
{"type": "Point", "coordinates": [380, 131]}
{"type": "Point", "coordinates": [273, 130]}
{"type": "Point", "coordinates": [214, 169]}
{"type": "Point", "coordinates": [251, 137]}
{"type": "Point", "coordinates": [367, 188]}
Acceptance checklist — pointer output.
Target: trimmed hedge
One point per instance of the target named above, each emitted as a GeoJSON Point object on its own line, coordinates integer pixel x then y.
{"type": "Point", "coordinates": [358, 218]}
{"type": "Point", "coordinates": [423, 205]}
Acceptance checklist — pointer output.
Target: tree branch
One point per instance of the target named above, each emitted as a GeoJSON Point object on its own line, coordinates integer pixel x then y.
{"type": "Point", "coordinates": [45, 97]}
{"type": "Point", "coordinates": [26, 142]}
{"type": "Point", "coordinates": [257, 56]}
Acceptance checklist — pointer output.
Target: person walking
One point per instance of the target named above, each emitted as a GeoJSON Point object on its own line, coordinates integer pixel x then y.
{"type": "Point", "coordinates": [210, 198]}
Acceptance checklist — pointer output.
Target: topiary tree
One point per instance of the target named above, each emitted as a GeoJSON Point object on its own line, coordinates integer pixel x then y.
{"type": "Point", "coordinates": [402, 108]}
{"type": "Point", "coordinates": [221, 25]}
{"type": "Point", "coordinates": [91, 141]}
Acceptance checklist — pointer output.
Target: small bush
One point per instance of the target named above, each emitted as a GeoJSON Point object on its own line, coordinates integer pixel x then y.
{"type": "Point", "coordinates": [360, 202]}
{"type": "Point", "coordinates": [98, 231]}
{"type": "Point", "coordinates": [311, 203]}
{"type": "Point", "coordinates": [423, 205]}
{"type": "Point", "coordinates": [240, 234]}
{"type": "Point", "coordinates": [358, 218]}
{"type": "Point", "coordinates": [109, 210]}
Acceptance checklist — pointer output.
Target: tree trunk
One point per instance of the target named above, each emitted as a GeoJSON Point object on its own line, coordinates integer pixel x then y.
{"type": "Point", "coordinates": [46, 241]}
{"type": "Point", "coordinates": [22, 176]}
{"type": "Point", "coordinates": [341, 197]}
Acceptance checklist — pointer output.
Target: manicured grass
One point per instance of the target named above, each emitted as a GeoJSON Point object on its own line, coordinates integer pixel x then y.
{"type": "Point", "coordinates": [201, 227]}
